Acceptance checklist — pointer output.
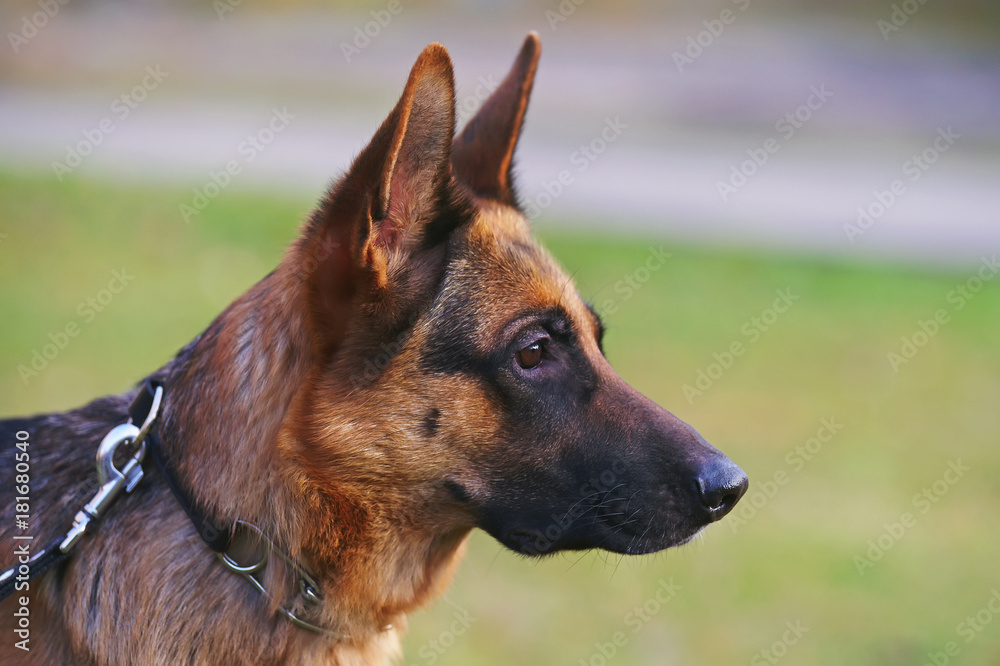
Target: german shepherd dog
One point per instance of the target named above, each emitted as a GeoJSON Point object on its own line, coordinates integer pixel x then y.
{"type": "Point", "coordinates": [415, 367]}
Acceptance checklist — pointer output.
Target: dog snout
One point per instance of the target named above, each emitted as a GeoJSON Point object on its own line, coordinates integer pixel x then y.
{"type": "Point", "coordinates": [721, 484]}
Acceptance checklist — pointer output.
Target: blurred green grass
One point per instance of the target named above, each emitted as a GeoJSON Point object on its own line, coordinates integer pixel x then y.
{"type": "Point", "coordinates": [793, 560]}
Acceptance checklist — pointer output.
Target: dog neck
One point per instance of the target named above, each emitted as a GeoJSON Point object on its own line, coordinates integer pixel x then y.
{"type": "Point", "coordinates": [227, 393]}
{"type": "Point", "coordinates": [238, 427]}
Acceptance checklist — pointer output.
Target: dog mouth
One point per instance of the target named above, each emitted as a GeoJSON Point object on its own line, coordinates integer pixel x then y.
{"type": "Point", "coordinates": [633, 536]}
{"type": "Point", "coordinates": [631, 516]}
{"type": "Point", "coordinates": [526, 542]}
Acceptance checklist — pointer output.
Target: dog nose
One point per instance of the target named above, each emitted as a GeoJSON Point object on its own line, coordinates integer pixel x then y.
{"type": "Point", "coordinates": [721, 484]}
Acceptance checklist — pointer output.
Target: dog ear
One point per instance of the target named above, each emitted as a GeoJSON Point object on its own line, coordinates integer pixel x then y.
{"type": "Point", "coordinates": [359, 240]}
{"type": "Point", "coordinates": [483, 154]}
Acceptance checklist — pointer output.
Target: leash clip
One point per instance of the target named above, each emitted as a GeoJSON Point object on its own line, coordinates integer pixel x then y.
{"type": "Point", "coordinates": [113, 481]}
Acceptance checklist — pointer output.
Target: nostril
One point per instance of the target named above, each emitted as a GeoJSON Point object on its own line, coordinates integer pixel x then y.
{"type": "Point", "coordinates": [727, 501]}
{"type": "Point", "coordinates": [721, 485]}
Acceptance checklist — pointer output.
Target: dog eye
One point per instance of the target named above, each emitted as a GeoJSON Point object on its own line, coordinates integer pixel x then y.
{"type": "Point", "coordinates": [530, 356]}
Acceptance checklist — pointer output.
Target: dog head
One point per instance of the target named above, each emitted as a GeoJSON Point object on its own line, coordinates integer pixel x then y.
{"type": "Point", "coordinates": [461, 380]}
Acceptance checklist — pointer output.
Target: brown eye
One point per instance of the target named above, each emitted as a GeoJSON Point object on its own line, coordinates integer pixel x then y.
{"type": "Point", "coordinates": [530, 356]}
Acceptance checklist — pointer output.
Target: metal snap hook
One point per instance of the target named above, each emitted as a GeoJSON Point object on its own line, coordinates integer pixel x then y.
{"type": "Point", "coordinates": [249, 545]}
{"type": "Point", "coordinates": [119, 435]}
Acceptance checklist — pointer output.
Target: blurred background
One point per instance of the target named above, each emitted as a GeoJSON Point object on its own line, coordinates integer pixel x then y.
{"type": "Point", "coordinates": [825, 177]}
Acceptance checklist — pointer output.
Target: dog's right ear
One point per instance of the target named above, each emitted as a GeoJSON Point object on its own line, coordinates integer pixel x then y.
{"type": "Point", "coordinates": [483, 154]}
{"type": "Point", "coordinates": [359, 242]}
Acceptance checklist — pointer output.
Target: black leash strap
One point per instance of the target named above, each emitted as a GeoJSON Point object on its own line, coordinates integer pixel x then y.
{"type": "Point", "coordinates": [17, 577]}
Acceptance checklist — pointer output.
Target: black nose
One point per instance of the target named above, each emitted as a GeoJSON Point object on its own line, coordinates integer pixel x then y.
{"type": "Point", "coordinates": [721, 484]}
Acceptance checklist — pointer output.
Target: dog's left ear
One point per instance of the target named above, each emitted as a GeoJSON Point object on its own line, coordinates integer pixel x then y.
{"type": "Point", "coordinates": [483, 154]}
{"type": "Point", "coordinates": [361, 245]}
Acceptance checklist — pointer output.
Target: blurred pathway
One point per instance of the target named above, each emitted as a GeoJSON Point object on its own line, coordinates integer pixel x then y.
{"type": "Point", "coordinates": [833, 141]}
